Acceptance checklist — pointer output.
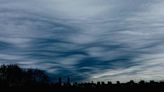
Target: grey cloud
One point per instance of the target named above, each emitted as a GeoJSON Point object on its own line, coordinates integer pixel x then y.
{"type": "Point", "coordinates": [88, 40]}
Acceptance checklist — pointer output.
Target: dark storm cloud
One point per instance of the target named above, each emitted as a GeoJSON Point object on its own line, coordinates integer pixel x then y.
{"type": "Point", "coordinates": [88, 40]}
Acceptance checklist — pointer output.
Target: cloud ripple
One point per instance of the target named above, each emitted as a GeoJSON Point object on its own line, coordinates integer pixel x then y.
{"type": "Point", "coordinates": [87, 40]}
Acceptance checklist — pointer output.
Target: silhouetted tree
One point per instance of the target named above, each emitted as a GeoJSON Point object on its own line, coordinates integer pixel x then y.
{"type": "Point", "coordinates": [13, 75]}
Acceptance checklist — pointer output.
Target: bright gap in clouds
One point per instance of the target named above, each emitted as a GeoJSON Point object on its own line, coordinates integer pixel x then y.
{"type": "Point", "coordinates": [78, 9]}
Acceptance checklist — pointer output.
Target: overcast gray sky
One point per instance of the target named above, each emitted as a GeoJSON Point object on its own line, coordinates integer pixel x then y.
{"type": "Point", "coordinates": [86, 39]}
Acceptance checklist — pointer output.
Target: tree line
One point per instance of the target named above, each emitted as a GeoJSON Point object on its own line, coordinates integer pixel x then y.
{"type": "Point", "coordinates": [12, 76]}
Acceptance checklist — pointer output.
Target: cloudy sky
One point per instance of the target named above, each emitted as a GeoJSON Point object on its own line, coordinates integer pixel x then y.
{"type": "Point", "coordinates": [85, 39]}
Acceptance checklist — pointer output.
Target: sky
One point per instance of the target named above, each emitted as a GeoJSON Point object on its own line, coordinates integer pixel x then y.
{"type": "Point", "coordinates": [99, 40]}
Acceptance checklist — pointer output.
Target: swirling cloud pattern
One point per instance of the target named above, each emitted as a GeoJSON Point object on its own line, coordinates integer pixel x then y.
{"type": "Point", "coordinates": [85, 39]}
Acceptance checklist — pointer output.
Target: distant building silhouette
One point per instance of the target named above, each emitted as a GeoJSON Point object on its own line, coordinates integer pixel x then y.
{"type": "Point", "coordinates": [68, 81]}
{"type": "Point", "coordinates": [60, 81]}
{"type": "Point", "coordinates": [12, 76]}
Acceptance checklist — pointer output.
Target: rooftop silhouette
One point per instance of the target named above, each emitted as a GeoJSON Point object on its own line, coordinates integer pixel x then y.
{"type": "Point", "coordinates": [12, 76]}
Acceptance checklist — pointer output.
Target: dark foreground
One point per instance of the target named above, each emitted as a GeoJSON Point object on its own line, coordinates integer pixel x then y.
{"type": "Point", "coordinates": [14, 78]}
{"type": "Point", "coordinates": [85, 89]}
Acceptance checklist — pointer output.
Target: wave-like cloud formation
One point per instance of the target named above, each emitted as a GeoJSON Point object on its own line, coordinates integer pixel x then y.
{"type": "Point", "coordinates": [85, 39]}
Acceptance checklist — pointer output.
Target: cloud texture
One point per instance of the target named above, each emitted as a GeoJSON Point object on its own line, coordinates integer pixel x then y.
{"type": "Point", "coordinates": [85, 39]}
